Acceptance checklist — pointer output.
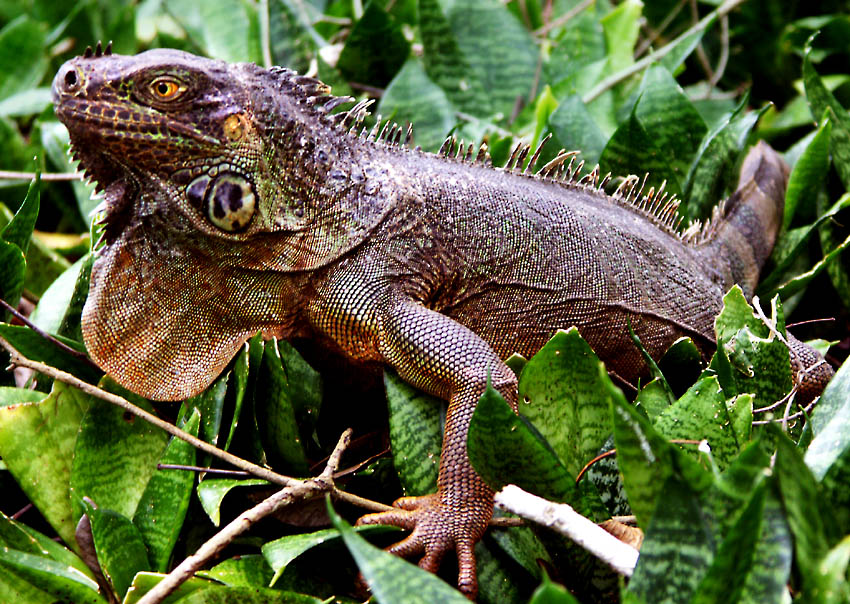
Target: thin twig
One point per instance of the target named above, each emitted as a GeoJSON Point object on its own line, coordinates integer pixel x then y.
{"type": "Point", "coordinates": [177, 466]}
{"type": "Point", "coordinates": [75, 353]}
{"type": "Point", "coordinates": [303, 490]}
{"type": "Point", "coordinates": [611, 81]}
{"type": "Point", "coordinates": [47, 176]}
{"type": "Point", "coordinates": [654, 34]}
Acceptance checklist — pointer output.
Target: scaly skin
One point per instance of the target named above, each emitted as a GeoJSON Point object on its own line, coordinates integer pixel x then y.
{"type": "Point", "coordinates": [234, 204]}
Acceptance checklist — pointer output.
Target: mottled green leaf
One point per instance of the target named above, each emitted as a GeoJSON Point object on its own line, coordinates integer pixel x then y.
{"type": "Point", "coordinates": [563, 393]}
{"type": "Point", "coordinates": [62, 581]}
{"type": "Point", "coordinates": [532, 464]}
{"type": "Point", "coordinates": [413, 97]}
{"type": "Point", "coordinates": [634, 150]}
{"type": "Point", "coordinates": [823, 102]}
{"type": "Point", "coordinates": [678, 547]}
{"type": "Point", "coordinates": [119, 546]}
{"type": "Point", "coordinates": [212, 491]}
{"type": "Point", "coordinates": [390, 578]}
{"type": "Point", "coordinates": [573, 128]}
{"type": "Point", "coordinates": [210, 405]}
{"type": "Point", "coordinates": [654, 398]}
{"type": "Point", "coordinates": [646, 459]}
{"type": "Point", "coordinates": [671, 120]}
{"type": "Point", "coordinates": [115, 455]}
{"type": "Point", "coordinates": [416, 435]}
{"type": "Point", "coordinates": [758, 356]}
{"type": "Point", "coordinates": [37, 445]}
{"type": "Point", "coordinates": [375, 49]}
{"type": "Point", "coordinates": [715, 160]}
{"type": "Point", "coordinates": [702, 414]}
{"type": "Point", "coordinates": [162, 508]}
{"type": "Point", "coordinates": [31, 541]}
{"type": "Point", "coordinates": [800, 496]}
{"type": "Point", "coordinates": [681, 364]}
{"type": "Point", "coordinates": [241, 371]}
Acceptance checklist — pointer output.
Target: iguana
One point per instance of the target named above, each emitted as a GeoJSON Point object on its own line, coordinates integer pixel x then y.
{"type": "Point", "coordinates": [237, 201]}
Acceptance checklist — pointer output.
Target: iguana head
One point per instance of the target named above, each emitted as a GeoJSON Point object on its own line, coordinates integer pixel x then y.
{"type": "Point", "coordinates": [218, 180]}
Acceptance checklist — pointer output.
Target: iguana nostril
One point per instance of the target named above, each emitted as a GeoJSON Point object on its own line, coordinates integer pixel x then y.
{"type": "Point", "coordinates": [70, 78]}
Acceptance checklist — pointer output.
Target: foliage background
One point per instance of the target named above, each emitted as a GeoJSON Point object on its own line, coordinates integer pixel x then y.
{"type": "Point", "coordinates": [484, 71]}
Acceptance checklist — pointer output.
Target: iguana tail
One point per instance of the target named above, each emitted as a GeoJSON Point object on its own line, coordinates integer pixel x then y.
{"type": "Point", "coordinates": [743, 238]}
{"type": "Point", "coordinates": [744, 233]}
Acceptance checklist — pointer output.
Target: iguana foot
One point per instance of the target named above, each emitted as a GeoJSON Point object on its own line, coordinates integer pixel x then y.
{"type": "Point", "coordinates": [438, 528]}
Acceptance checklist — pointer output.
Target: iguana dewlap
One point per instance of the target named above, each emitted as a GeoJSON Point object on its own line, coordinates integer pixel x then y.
{"type": "Point", "coordinates": [236, 203]}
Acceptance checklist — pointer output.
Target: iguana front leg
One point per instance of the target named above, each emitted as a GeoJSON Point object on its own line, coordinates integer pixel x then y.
{"type": "Point", "coordinates": [444, 358]}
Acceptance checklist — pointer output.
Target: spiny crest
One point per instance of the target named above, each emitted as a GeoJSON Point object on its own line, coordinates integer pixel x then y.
{"type": "Point", "coordinates": [460, 151]}
{"type": "Point", "coordinates": [98, 51]}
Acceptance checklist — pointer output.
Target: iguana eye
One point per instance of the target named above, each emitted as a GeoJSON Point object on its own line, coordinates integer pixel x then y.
{"type": "Point", "coordinates": [166, 89]}
{"type": "Point", "coordinates": [230, 202]}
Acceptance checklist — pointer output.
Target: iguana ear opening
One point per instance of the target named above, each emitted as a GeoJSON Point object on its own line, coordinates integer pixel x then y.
{"type": "Point", "coordinates": [163, 322]}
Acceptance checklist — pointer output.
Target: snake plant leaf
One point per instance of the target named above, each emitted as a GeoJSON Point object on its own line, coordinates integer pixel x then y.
{"type": "Point", "coordinates": [211, 492]}
{"type": "Point", "coordinates": [62, 581]}
{"type": "Point", "coordinates": [416, 435]}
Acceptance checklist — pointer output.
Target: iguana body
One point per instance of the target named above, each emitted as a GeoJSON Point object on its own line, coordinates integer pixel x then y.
{"type": "Point", "coordinates": [235, 203]}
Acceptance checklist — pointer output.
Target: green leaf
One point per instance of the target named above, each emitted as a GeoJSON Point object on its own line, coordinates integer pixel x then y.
{"type": "Point", "coordinates": [162, 508]}
{"type": "Point", "coordinates": [634, 150]}
{"type": "Point", "coordinates": [55, 140]}
{"type": "Point", "coordinates": [647, 460]}
{"type": "Point", "coordinates": [834, 571]}
{"type": "Point", "coordinates": [654, 398]}
{"type": "Point", "coordinates": [294, 41]}
{"type": "Point", "coordinates": [13, 268]}
{"type": "Point", "coordinates": [823, 102]}
{"type": "Point", "coordinates": [715, 158]}
{"type": "Point", "coordinates": [532, 465]}
{"type": "Point", "coordinates": [241, 371]}
{"type": "Point", "coordinates": [375, 49]}
{"type": "Point", "coordinates": [574, 128]}
{"type": "Point", "coordinates": [64, 582]}
{"type": "Point", "coordinates": [45, 546]}
{"type": "Point", "coordinates": [809, 172]}
{"type": "Point", "coordinates": [678, 547]}
{"type": "Point", "coordinates": [249, 570]}
{"type": "Point", "coordinates": [246, 595]}
{"type": "Point", "coordinates": [621, 27]}
{"type": "Point", "coordinates": [416, 435]}
{"type": "Point", "coordinates": [37, 445]}
{"type": "Point", "coordinates": [730, 569]}
{"type": "Point", "coordinates": [390, 578]}
{"type": "Point", "coordinates": [209, 404]}
{"type": "Point", "coordinates": [670, 118]}
{"type": "Point", "coordinates": [767, 579]}
{"type": "Point", "coordinates": [59, 308]}
{"type": "Point", "coordinates": [800, 497]}
{"type": "Point", "coordinates": [280, 552]}
{"type": "Point", "coordinates": [19, 230]}
{"type": "Point", "coordinates": [702, 414]}
{"type": "Point", "coordinates": [281, 403]}
{"type": "Point", "coordinates": [23, 61]}
{"type": "Point", "coordinates": [33, 346]}
{"type": "Point", "coordinates": [143, 582]}
{"type": "Point", "coordinates": [212, 491]}
{"type": "Point", "coordinates": [551, 593]}
{"type": "Point", "coordinates": [119, 546]}
{"type": "Point", "coordinates": [758, 356]}
{"type": "Point", "coordinates": [566, 397]}
{"type": "Point", "coordinates": [115, 454]}
{"type": "Point", "coordinates": [413, 97]}
{"type": "Point", "coordinates": [478, 53]}
{"type": "Point", "coordinates": [227, 29]}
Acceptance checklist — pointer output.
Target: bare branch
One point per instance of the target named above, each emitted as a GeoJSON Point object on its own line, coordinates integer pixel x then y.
{"type": "Point", "coordinates": [565, 520]}
{"type": "Point", "coordinates": [307, 489]}
{"type": "Point", "coordinates": [46, 176]}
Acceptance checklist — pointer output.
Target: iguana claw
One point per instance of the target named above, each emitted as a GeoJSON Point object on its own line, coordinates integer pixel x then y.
{"type": "Point", "coordinates": [437, 529]}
